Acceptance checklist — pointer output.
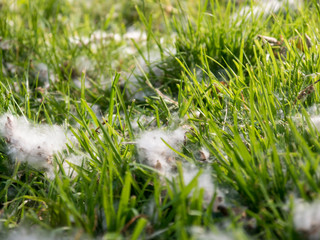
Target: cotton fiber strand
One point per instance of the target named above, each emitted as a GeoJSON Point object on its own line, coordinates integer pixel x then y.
{"type": "Point", "coordinates": [155, 153]}
{"type": "Point", "coordinates": [34, 144]}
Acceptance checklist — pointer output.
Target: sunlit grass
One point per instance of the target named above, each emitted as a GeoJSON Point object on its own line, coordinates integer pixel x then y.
{"type": "Point", "coordinates": [116, 75]}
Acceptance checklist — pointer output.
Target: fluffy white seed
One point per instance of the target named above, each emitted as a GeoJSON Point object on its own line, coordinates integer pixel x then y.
{"type": "Point", "coordinates": [155, 153]}
{"type": "Point", "coordinates": [204, 181]}
{"type": "Point", "coordinates": [306, 218]}
{"type": "Point", "coordinates": [34, 144]}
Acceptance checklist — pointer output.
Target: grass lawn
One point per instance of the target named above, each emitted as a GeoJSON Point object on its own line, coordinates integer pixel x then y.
{"type": "Point", "coordinates": [159, 119]}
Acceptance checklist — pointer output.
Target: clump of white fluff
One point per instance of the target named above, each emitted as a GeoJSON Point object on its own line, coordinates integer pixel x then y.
{"type": "Point", "coordinates": [306, 218]}
{"type": "Point", "coordinates": [316, 121]}
{"type": "Point", "coordinates": [314, 115]}
{"type": "Point", "coordinates": [34, 144]}
{"type": "Point", "coordinates": [199, 233]}
{"type": "Point", "coordinates": [268, 7]}
{"type": "Point", "coordinates": [205, 182]}
{"type": "Point", "coordinates": [23, 234]}
{"type": "Point", "coordinates": [37, 233]}
{"type": "Point", "coordinates": [155, 153]}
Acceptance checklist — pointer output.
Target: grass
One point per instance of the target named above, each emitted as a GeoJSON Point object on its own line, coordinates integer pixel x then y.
{"type": "Point", "coordinates": [235, 94]}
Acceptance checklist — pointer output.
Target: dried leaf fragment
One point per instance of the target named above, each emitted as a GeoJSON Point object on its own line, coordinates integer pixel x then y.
{"type": "Point", "coordinates": [299, 42]}
{"type": "Point", "coordinates": [271, 40]}
{"type": "Point", "coordinates": [305, 92]}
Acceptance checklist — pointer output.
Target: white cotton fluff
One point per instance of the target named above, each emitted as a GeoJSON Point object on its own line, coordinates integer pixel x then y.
{"type": "Point", "coordinates": [205, 182]}
{"type": "Point", "coordinates": [34, 144]}
{"type": "Point", "coordinates": [143, 121]}
{"type": "Point", "coordinates": [44, 74]}
{"type": "Point", "coordinates": [155, 153]}
{"type": "Point", "coordinates": [306, 218]}
{"type": "Point", "coordinates": [23, 234]}
{"type": "Point", "coordinates": [135, 35]}
{"type": "Point", "coordinates": [36, 233]}
{"type": "Point", "coordinates": [199, 233]}
{"type": "Point", "coordinates": [267, 7]}
{"type": "Point", "coordinates": [70, 160]}
{"type": "Point", "coordinates": [316, 121]}
{"type": "Point", "coordinates": [134, 87]}
{"type": "Point", "coordinates": [314, 115]}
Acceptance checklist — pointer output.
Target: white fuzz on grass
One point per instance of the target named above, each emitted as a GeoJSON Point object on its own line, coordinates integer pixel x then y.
{"type": "Point", "coordinates": [314, 114]}
{"type": "Point", "coordinates": [205, 182]}
{"type": "Point", "coordinates": [306, 218]}
{"type": "Point", "coordinates": [44, 75]}
{"type": "Point", "coordinates": [145, 121]}
{"type": "Point", "coordinates": [316, 121]}
{"type": "Point", "coordinates": [135, 87]}
{"type": "Point", "coordinates": [101, 37]}
{"type": "Point", "coordinates": [199, 233]}
{"type": "Point", "coordinates": [84, 64]}
{"type": "Point", "coordinates": [69, 162]}
{"type": "Point", "coordinates": [24, 234]}
{"type": "Point", "coordinates": [155, 153]}
{"type": "Point", "coordinates": [37, 233]}
{"type": "Point", "coordinates": [34, 144]}
{"type": "Point", "coordinates": [135, 35]}
{"type": "Point", "coordinates": [266, 8]}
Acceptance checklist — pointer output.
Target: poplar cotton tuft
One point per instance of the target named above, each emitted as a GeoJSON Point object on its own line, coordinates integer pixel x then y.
{"type": "Point", "coordinates": [34, 144]}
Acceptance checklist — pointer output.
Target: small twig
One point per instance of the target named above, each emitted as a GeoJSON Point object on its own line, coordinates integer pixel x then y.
{"type": "Point", "coordinates": [78, 235]}
{"type": "Point", "coordinates": [271, 40]}
{"type": "Point", "coordinates": [97, 129]}
{"type": "Point", "coordinates": [165, 97]}
{"type": "Point", "coordinates": [225, 118]}
{"type": "Point", "coordinates": [125, 228]}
